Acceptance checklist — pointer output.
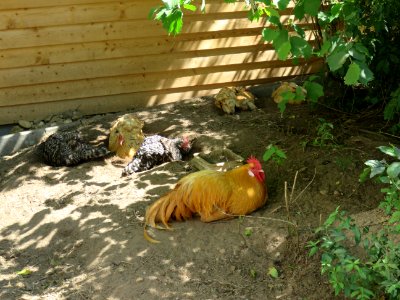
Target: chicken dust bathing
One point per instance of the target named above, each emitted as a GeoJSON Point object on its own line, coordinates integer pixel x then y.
{"type": "Point", "coordinates": [76, 232]}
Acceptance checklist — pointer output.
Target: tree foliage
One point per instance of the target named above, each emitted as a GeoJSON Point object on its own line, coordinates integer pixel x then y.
{"type": "Point", "coordinates": [357, 39]}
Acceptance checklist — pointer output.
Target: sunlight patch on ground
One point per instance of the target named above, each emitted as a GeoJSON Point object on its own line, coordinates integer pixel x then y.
{"type": "Point", "coordinates": [143, 253]}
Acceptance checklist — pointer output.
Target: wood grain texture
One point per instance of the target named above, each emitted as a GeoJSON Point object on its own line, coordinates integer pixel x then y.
{"type": "Point", "coordinates": [161, 81]}
{"type": "Point", "coordinates": [58, 55]}
{"type": "Point", "coordinates": [120, 102]}
{"type": "Point", "coordinates": [103, 12]}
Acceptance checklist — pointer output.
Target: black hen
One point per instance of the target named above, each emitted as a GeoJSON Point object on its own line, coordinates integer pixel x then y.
{"type": "Point", "coordinates": [155, 150]}
{"type": "Point", "coordinates": [68, 148]}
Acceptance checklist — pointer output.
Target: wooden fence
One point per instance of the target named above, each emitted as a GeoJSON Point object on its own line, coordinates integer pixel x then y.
{"type": "Point", "coordinates": [105, 55]}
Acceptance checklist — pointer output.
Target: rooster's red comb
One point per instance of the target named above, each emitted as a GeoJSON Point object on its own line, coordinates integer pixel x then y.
{"type": "Point", "coordinates": [256, 163]}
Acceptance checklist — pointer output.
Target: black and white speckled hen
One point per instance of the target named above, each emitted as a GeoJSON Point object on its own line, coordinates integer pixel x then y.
{"type": "Point", "coordinates": [68, 148]}
{"type": "Point", "coordinates": [156, 150]}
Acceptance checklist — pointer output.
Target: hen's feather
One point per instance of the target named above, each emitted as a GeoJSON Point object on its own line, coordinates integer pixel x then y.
{"type": "Point", "coordinates": [126, 136]}
{"type": "Point", "coordinates": [68, 148]}
{"type": "Point", "coordinates": [213, 195]}
{"type": "Point", "coordinates": [156, 150]}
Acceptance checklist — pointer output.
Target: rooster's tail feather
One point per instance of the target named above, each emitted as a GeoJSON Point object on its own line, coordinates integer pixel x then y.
{"type": "Point", "coordinates": [148, 237]}
{"type": "Point", "coordinates": [163, 210]}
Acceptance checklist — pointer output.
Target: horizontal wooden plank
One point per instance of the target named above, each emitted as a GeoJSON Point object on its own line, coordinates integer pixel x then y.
{"type": "Point", "coordinates": [115, 103]}
{"type": "Point", "coordinates": [44, 55]}
{"type": "Point", "coordinates": [21, 38]}
{"type": "Point", "coordinates": [59, 54]}
{"type": "Point", "coordinates": [162, 81]}
{"type": "Point", "coordinates": [74, 14]}
{"type": "Point", "coordinates": [107, 12]}
{"type": "Point", "coordinates": [16, 4]}
{"type": "Point", "coordinates": [137, 65]}
{"type": "Point", "coordinates": [27, 4]}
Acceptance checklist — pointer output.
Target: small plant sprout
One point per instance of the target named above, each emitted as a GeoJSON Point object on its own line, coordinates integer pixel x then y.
{"type": "Point", "coordinates": [24, 272]}
{"type": "Point", "coordinates": [273, 272]}
{"type": "Point", "coordinates": [248, 231]}
{"type": "Point", "coordinates": [253, 273]}
{"type": "Point", "coordinates": [274, 153]}
{"type": "Point", "coordinates": [324, 133]}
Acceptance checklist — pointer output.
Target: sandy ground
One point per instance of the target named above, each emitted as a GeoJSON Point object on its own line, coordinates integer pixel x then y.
{"type": "Point", "coordinates": [79, 229]}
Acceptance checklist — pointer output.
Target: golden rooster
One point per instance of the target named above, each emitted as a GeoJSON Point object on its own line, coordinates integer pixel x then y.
{"type": "Point", "coordinates": [126, 136]}
{"type": "Point", "coordinates": [211, 194]}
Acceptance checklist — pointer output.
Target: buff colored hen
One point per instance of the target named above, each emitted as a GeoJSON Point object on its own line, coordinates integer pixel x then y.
{"type": "Point", "coordinates": [126, 136]}
{"type": "Point", "coordinates": [278, 94]}
{"type": "Point", "coordinates": [230, 98]}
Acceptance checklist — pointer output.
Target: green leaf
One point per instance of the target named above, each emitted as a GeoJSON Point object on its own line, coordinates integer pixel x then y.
{"type": "Point", "coordinates": [273, 272]}
{"type": "Point", "coordinates": [253, 273]}
{"type": "Point", "coordinates": [364, 175]}
{"type": "Point", "coordinates": [313, 250]}
{"type": "Point", "coordinates": [311, 7]}
{"type": "Point", "coordinates": [270, 34]}
{"type": "Point", "coordinates": [282, 4]}
{"type": "Point", "coordinates": [300, 95]}
{"type": "Point", "coordinates": [284, 50]}
{"type": "Point", "coordinates": [24, 272]}
{"type": "Point", "coordinates": [300, 47]}
{"type": "Point", "coordinates": [393, 170]}
{"type": "Point", "coordinates": [395, 217]}
{"type": "Point", "coordinates": [248, 231]}
{"type": "Point", "coordinates": [366, 74]}
{"type": "Point", "coordinates": [152, 12]}
{"type": "Point", "coordinates": [300, 31]}
{"type": "Point", "coordinates": [312, 77]}
{"type": "Point", "coordinates": [275, 20]}
{"type": "Point", "coordinates": [393, 107]}
{"type": "Point", "coordinates": [175, 26]}
{"type": "Point", "coordinates": [361, 49]}
{"type": "Point", "coordinates": [377, 167]}
{"type": "Point", "coordinates": [356, 54]}
{"type": "Point", "coordinates": [280, 153]}
{"type": "Point", "coordinates": [299, 11]}
{"type": "Point", "coordinates": [324, 48]}
{"type": "Point", "coordinates": [357, 234]}
{"type": "Point", "coordinates": [384, 179]}
{"type": "Point", "coordinates": [335, 11]}
{"type": "Point", "coordinates": [336, 59]}
{"type": "Point", "coordinates": [281, 38]}
{"type": "Point", "coordinates": [268, 153]}
{"type": "Point", "coordinates": [171, 3]}
{"type": "Point", "coordinates": [332, 217]}
{"type": "Point", "coordinates": [352, 75]}
{"type": "Point", "coordinates": [271, 12]}
{"type": "Point", "coordinates": [388, 150]}
{"type": "Point", "coordinates": [282, 105]}
{"type": "Point", "coordinates": [190, 7]}
{"type": "Point", "coordinates": [254, 15]}
{"type": "Point", "coordinates": [274, 152]}
{"type": "Point", "coordinates": [323, 18]}
{"type": "Point", "coordinates": [314, 90]}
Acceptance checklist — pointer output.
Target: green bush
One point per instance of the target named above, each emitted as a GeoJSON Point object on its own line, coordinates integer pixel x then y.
{"type": "Point", "coordinates": [358, 40]}
{"type": "Point", "coordinates": [376, 271]}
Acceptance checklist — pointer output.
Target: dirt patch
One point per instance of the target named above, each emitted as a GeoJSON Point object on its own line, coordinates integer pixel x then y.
{"type": "Point", "coordinates": [80, 229]}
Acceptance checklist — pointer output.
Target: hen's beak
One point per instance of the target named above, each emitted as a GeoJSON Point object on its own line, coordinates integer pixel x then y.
{"type": "Point", "coordinates": [121, 139]}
